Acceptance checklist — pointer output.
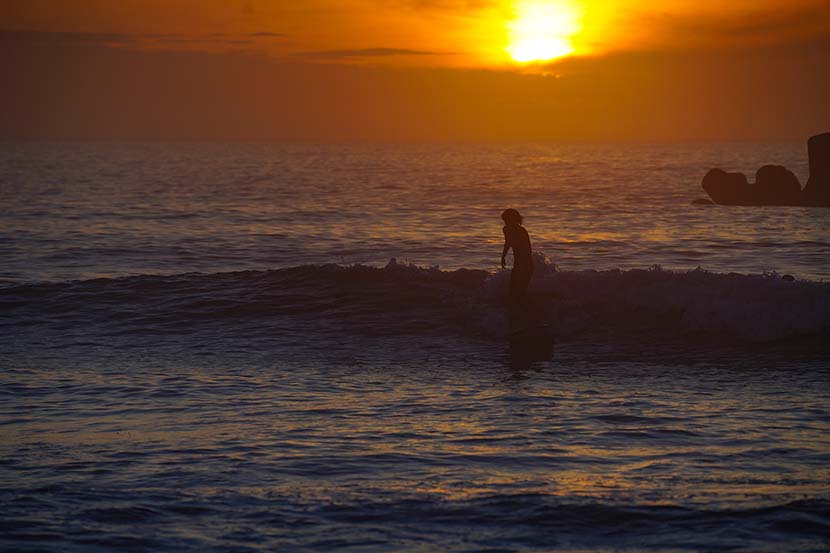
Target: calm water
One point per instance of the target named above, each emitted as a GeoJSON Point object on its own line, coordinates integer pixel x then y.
{"type": "Point", "coordinates": [206, 348]}
{"type": "Point", "coordinates": [86, 211]}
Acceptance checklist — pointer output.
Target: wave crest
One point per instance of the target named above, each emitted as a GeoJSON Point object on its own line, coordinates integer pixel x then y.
{"type": "Point", "coordinates": [401, 298]}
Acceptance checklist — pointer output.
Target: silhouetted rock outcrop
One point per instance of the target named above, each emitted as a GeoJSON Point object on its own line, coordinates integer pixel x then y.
{"type": "Point", "coordinates": [775, 184]}
{"type": "Point", "coordinates": [727, 188]}
{"type": "Point", "coordinates": [817, 191]}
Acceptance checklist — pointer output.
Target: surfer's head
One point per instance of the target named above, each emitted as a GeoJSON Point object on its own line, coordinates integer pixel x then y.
{"type": "Point", "coordinates": [511, 217]}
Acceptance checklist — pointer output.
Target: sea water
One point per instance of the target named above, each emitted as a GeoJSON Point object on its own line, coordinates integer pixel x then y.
{"type": "Point", "coordinates": [297, 347]}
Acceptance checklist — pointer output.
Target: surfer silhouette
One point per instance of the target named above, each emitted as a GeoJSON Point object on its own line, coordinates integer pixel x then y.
{"type": "Point", "coordinates": [516, 237]}
{"type": "Point", "coordinates": [530, 337]}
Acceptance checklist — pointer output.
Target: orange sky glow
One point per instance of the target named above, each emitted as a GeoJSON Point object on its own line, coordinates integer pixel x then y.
{"type": "Point", "coordinates": [470, 33]}
{"type": "Point", "coordinates": [418, 57]}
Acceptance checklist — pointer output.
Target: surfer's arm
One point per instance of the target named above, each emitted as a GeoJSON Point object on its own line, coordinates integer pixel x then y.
{"type": "Point", "coordinates": [504, 250]}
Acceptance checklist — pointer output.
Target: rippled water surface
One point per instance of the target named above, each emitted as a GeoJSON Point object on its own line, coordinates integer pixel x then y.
{"type": "Point", "coordinates": [89, 210]}
{"type": "Point", "coordinates": [179, 372]}
{"type": "Point", "coordinates": [450, 452]}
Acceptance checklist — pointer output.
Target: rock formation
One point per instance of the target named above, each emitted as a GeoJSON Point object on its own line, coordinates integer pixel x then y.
{"type": "Point", "coordinates": [727, 188]}
{"type": "Point", "coordinates": [817, 191]}
{"type": "Point", "coordinates": [774, 184]}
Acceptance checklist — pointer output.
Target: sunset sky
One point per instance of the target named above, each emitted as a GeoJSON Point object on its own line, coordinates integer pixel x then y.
{"type": "Point", "coordinates": [415, 69]}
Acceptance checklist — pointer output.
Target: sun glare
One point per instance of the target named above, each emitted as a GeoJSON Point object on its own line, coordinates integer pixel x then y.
{"type": "Point", "coordinates": [542, 30]}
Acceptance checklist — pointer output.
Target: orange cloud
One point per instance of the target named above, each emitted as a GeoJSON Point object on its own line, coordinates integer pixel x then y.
{"type": "Point", "coordinates": [409, 70]}
{"type": "Point", "coordinates": [476, 31]}
{"type": "Point", "coordinates": [61, 86]}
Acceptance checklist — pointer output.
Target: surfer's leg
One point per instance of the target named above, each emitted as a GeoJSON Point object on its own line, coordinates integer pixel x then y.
{"type": "Point", "coordinates": [519, 281]}
{"type": "Point", "coordinates": [515, 284]}
{"type": "Point", "coordinates": [521, 305]}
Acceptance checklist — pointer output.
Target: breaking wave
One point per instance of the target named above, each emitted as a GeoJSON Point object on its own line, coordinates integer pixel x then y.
{"type": "Point", "coordinates": [404, 299]}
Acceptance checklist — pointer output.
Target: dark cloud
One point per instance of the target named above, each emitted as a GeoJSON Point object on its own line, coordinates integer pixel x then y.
{"type": "Point", "coordinates": [124, 40]}
{"type": "Point", "coordinates": [57, 38]}
{"type": "Point", "coordinates": [203, 41]}
{"type": "Point", "coordinates": [800, 21]}
{"type": "Point", "coordinates": [449, 5]}
{"type": "Point", "coordinates": [369, 53]}
{"type": "Point", "coordinates": [267, 35]}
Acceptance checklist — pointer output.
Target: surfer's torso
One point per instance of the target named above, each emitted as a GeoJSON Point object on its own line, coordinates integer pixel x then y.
{"type": "Point", "coordinates": [517, 238]}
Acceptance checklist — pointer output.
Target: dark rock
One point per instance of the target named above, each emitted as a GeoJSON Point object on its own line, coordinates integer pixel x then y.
{"type": "Point", "coordinates": [776, 185]}
{"type": "Point", "coordinates": [788, 278]}
{"type": "Point", "coordinates": [727, 188]}
{"type": "Point", "coordinates": [817, 191]}
{"type": "Point", "coordinates": [703, 201]}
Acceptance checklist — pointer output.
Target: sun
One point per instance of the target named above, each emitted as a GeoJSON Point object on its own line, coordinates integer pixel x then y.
{"type": "Point", "coordinates": [542, 30]}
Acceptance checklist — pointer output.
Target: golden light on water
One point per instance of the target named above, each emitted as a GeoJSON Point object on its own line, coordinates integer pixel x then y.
{"type": "Point", "coordinates": [543, 30]}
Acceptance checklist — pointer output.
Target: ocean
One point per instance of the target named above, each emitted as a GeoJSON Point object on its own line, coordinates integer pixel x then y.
{"type": "Point", "coordinates": [302, 347]}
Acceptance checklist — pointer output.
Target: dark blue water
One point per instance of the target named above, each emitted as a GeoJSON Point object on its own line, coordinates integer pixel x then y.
{"type": "Point", "coordinates": [190, 360]}
{"type": "Point", "coordinates": [380, 452]}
